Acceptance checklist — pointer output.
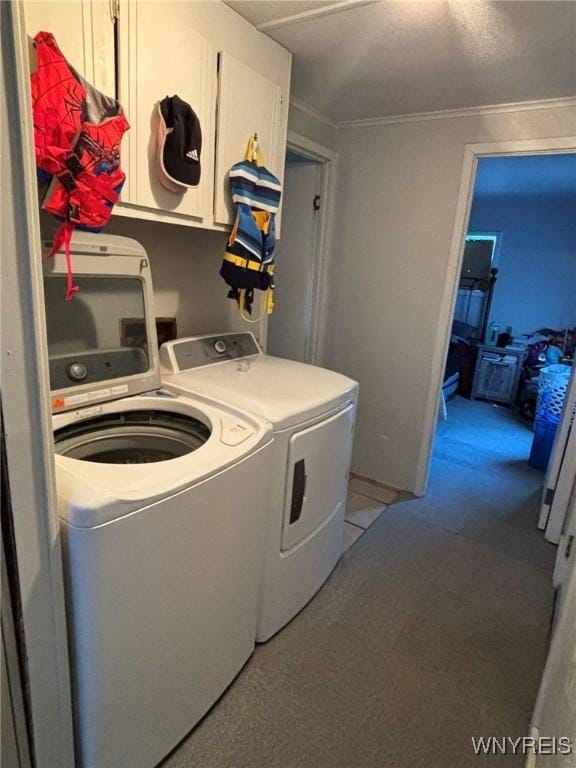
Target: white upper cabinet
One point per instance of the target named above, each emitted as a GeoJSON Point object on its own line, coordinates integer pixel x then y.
{"type": "Point", "coordinates": [163, 54]}
{"type": "Point", "coordinates": [204, 52]}
{"type": "Point", "coordinates": [84, 31]}
{"type": "Point", "coordinates": [248, 103]}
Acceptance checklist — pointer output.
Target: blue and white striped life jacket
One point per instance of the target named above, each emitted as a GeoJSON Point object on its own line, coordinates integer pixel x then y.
{"type": "Point", "coordinates": [249, 258]}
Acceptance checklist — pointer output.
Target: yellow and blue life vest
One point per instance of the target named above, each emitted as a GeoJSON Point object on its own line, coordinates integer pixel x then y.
{"type": "Point", "coordinates": [249, 258]}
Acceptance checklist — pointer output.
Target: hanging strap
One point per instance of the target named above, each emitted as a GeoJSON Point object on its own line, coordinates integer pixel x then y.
{"type": "Point", "coordinates": [253, 152]}
{"type": "Point", "coordinates": [269, 301]}
{"type": "Point", "coordinates": [242, 306]}
{"type": "Point", "coordinates": [255, 266]}
{"type": "Point", "coordinates": [267, 306]}
{"type": "Point", "coordinates": [63, 238]}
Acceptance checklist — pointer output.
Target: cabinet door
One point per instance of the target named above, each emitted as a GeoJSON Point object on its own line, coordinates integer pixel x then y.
{"type": "Point", "coordinates": [161, 54]}
{"type": "Point", "coordinates": [248, 103]}
{"type": "Point", "coordinates": [84, 31]}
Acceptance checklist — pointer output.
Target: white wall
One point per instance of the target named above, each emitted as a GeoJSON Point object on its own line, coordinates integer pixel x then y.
{"type": "Point", "coordinates": [536, 285]}
{"type": "Point", "coordinates": [398, 186]}
{"type": "Point", "coordinates": [185, 263]}
{"type": "Point", "coordinates": [311, 127]}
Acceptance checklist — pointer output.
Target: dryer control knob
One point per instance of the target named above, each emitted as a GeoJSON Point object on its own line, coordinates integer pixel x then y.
{"type": "Point", "coordinates": [77, 371]}
{"type": "Point", "coordinates": [220, 346]}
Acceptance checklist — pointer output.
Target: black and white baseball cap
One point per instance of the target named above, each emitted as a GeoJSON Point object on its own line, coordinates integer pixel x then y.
{"type": "Point", "coordinates": [179, 144]}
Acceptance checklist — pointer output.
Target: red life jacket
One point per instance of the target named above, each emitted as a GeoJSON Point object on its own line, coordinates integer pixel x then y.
{"type": "Point", "coordinates": [77, 133]}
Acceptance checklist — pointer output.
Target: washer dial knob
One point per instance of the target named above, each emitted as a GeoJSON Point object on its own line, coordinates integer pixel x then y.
{"type": "Point", "coordinates": [220, 346]}
{"type": "Point", "coordinates": [77, 371]}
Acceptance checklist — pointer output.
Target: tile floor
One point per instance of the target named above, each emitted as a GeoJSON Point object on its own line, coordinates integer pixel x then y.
{"type": "Point", "coordinates": [366, 502]}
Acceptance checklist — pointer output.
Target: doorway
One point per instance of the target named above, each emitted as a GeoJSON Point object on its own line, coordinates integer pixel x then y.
{"type": "Point", "coordinates": [503, 468]}
{"type": "Point", "coordinates": [294, 327]}
{"type": "Point", "coordinates": [496, 566]}
{"type": "Point", "coordinates": [512, 340]}
{"type": "Point", "coordinates": [473, 153]}
{"type": "Point", "coordinates": [289, 328]}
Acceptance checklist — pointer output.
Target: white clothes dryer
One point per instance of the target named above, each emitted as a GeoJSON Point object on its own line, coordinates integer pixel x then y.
{"type": "Point", "coordinates": [162, 536]}
{"type": "Point", "coordinates": [312, 411]}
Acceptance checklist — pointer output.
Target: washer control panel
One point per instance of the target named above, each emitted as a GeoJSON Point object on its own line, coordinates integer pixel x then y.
{"type": "Point", "coordinates": [96, 365]}
{"type": "Point", "coordinates": [184, 354]}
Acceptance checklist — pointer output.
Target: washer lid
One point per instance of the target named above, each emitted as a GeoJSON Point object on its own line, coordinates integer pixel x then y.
{"type": "Point", "coordinates": [284, 392]}
{"type": "Point", "coordinates": [102, 344]}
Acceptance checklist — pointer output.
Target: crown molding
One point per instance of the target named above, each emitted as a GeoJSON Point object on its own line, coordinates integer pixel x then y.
{"type": "Point", "coordinates": [303, 107]}
{"type": "Point", "coordinates": [442, 114]}
{"type": "Point", "coordinates": [314, 13]}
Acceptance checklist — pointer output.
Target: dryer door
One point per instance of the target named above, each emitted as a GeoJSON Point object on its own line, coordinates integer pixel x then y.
{"type": "Point", "coordinates": [318, 463]}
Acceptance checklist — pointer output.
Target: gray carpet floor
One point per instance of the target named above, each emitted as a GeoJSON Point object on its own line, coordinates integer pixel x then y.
{"type": "Point", "coordinates": [432, 629]}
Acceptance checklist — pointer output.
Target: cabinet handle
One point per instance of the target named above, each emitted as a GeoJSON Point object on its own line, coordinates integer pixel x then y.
{"type": "Point", "coordinates": [298, 490]}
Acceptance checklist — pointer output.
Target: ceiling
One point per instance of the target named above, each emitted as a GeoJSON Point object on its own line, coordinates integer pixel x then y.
{"type": "Point", "coordinates": [359, 59]}
{"type": "Point", "coordinates": [535, 176]}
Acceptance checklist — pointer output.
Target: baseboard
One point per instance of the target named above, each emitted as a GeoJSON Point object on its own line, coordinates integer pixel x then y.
{"type": "Point", "coordinates": [377, 483]}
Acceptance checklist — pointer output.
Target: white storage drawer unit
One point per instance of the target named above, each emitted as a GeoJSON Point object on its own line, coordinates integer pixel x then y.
{"type": "Point", "coordinates": [497, 374]}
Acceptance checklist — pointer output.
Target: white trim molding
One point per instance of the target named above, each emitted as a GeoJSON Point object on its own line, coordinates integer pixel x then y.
{"type": "Point", "coordinates": [308, 110]}
{"type": "Point", "coordinates": [27, 418]}
{"type": "Point", "coordinates": [472, 153]}
{"type": "Point", "coordinates": [568, 102]}
{"type": "Point", "coordinates": [328, 9]}
{"type": "Point", "coordinates": [329, 159]}
{"type": "Point", "coordinates": [309, 148]}
{"type": "Point", "coordinates": [443, 114]}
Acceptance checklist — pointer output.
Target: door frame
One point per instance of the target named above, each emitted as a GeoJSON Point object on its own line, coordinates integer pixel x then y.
{"type": "Point", "coordinates": [555, 676]}
{"type": "Point", "coordinates": [556, 491]}
{"type": "Point", "coordinates": [472, 153]}
{"type": "Point", "coordinates": [15, 739]}
{"type": "Point", "coordinates": [36, 559]}
{"type": "Point", "coordinates": [328, 160]}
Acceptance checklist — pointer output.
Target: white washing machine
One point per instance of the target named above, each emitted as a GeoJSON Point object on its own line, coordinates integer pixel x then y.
{"type": "Point", "coordinates": [162, 535]}
{"type": "Point", "coordinates": [312, 411]}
